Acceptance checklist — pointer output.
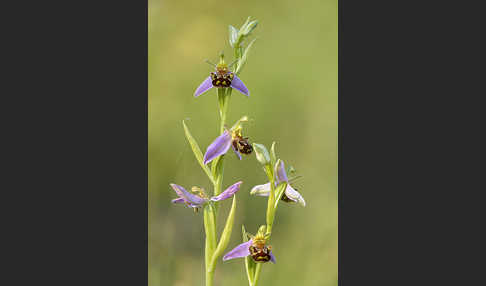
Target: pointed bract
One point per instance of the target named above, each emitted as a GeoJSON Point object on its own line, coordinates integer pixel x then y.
{"type": "Point", "coordinates": [219, 147]}
{"type": "Point", "coordinates": [206, 85]}
{"type": "Point", "coordinates": [237, 84]}
{"type": "Point", "coordinates": [228, 193]}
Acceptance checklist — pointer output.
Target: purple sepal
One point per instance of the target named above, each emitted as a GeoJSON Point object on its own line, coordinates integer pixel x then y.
{"type": "Point", "coordinates": [281, 174]}
{"type": "Point", "coordinates": [272, 258]}
{"type": "Point", "coordinates": [241, 250]}
{"type": "Point", "coordinates": [188, 198]}
{"type": "Point", "coordinates": [178, 201]}
{"type": "Point", "coordinates": [206, 85]}
{"type": "Point", "coordinates": [229, 192]}
{"type": "Point", "coordinates": [236, 151]}
{"type": "Point", "coordinates": [219, 147]}
{"type": "Point", "coordinates": [237, 84]}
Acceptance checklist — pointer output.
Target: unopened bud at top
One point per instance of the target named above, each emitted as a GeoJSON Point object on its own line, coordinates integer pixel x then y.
{"type": "Point", "coordinates": [236, 37]}
{"type": "Point", "coordinates": [246, 29]}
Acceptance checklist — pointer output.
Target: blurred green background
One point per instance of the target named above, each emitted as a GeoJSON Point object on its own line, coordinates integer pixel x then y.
{"type": "Point", "coordinates": [292, 76]}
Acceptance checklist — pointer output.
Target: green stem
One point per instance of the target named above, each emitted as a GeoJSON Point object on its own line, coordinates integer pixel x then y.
{"type": "Point", "coordinates": [217, 167]}
{"type": "Point", "coordinates": [270, 217]}
{"type": "Point", "coordinates": [209, 278]}
{"type": "Point", "coordinates": [210, 228]}
{"type": "Point", "coordinates": [271, 198]}
{"type": "Point", "coordinates": [224, 95]}
{"type": "Point", "coordinates": [258, 269]}
{"type": "Point", "coordinates": [210, 211]}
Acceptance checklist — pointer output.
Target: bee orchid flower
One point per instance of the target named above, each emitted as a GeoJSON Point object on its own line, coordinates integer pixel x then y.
{"type": "Point", "coordinates": [290, 194]}
{"type": "Point", "coordinates": [230, 138]}
{"type": "Point", "coordinates": [199, 198]}
{"type": "Point", "coordinates": [220, 78]}
{"type": "Point", "coordinates": [255, 247]}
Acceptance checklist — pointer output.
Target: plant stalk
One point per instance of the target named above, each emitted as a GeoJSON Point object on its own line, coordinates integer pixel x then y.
{"type": "Point", "coordinates": [209, 278]}
{"type": "Point", "coordinates": [258, 269]}
{"type": "Point", "coordinates": [270, 217]}
{"type": "Point", "coordinates": [210, 228]}
{"type": "Point", "coordinates": [217, 169]}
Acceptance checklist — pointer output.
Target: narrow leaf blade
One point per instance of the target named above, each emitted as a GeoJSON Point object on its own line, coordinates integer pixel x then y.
{"type": "Point", "coordinates": [197, 151]}
{"type": "Point", "coordinates": [244, 57]}
{"type": "Point", "coordinates": [226, 234]}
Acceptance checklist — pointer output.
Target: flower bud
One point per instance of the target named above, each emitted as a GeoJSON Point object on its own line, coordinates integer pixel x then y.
{"type": "Point", "coordinates": [236, 37]}
{"type": "Point", "coordinates": [246, 29]}
{"type": "Point", "coordinates": [262, 154]}
{"type": "Point", "coordinates": [233, 35]}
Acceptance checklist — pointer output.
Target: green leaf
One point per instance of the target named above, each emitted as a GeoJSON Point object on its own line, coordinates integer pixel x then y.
{"type": "Point", "coordinates": [250, 265]}
{"type": "Point", "coordinates": [244, 57]}
{"type": "Point", "coordinates": [197, 151]}
{"type": "Point", "coordinates": [226, 234]}
{"type": "Point", "coordinates": [279, 191]}
{"type": "Point", "coordinates": [233, 35]}
{"type": "Point", "coordinates": [243, 232]}
{"type": "Point", "coordinates": [210, 229]}
{"type": "Point", "coordinates": [269, 171]}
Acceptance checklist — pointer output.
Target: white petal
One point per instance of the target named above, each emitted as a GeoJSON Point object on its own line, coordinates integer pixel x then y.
{"type": "Point", "coordinates": [261, 190]}
{"type": "Point", "coordinates": [294, 195]}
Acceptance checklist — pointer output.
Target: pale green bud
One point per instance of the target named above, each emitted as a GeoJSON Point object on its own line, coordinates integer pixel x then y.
{"type": "Point", "coordinates": [233, 35]}
{"type": "Point", "coordinates": [261, 153]}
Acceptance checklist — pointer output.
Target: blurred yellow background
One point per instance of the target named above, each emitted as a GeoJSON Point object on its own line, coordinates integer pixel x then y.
{"type": "Point", "coordinates": [292, 76]}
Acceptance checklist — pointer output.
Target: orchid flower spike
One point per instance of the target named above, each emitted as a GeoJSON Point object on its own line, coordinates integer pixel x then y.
{"type": "Point", "coordinates": [222, 77]}
{"type": "Point", "coordinates": [199, 198]}
{"type": "Point", "coordinates": [290, 195]}
{"type": "Point", "coordinates": [230, 138]}
{"type": "Point", "coordinates": [256, 247]}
